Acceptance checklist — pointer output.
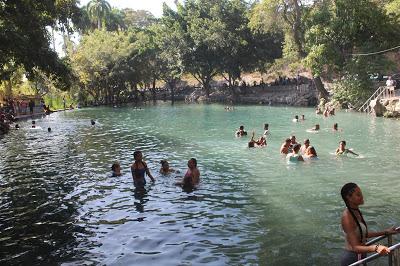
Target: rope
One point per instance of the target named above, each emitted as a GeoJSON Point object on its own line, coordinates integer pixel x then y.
{"type": "Point", "coordinates": [379, 52]}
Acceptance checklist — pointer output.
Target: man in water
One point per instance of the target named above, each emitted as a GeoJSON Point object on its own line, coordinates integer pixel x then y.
{"type": "Point", "coordinates": [285, 146]}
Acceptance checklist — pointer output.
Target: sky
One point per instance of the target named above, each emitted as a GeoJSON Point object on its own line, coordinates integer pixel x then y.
{"type": "Point", "coordinates": [154, 6]}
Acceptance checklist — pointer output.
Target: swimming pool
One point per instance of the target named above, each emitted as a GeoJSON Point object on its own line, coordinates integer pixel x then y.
{"type": "Point", "coordinates": [59, 204]}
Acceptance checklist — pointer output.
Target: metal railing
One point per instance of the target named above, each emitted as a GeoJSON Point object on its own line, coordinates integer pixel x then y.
{"type": "Point", "coordinates": [382, 92]}
{"type": "Point", "coordinates": [377, 255]}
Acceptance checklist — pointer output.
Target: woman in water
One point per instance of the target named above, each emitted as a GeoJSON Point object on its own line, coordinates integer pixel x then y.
{"type": "Point", "coordinates": [355, 229]}
{"type": "Point", "coordinates": [342, 149]}
{"type": "Point", "coordinates": [138, 169]}
{"type": "Point", "coordinates": [295, 156]}
{"type": "Point", "coordinates": [192, 176]}
{"type": "Point", "coordinates": [310, 153]}
{"type": "Point", "coordinates": [165, 170]}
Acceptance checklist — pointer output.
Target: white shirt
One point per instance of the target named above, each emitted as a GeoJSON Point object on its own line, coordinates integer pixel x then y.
{"type": "Point", "coordinates": [390, 82]}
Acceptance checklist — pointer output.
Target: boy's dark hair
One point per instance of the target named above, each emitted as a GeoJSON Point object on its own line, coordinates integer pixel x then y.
{"type": "Point", "coordinates": [114, 166]}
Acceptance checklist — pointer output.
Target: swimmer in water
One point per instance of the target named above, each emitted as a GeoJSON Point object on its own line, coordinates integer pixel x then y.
{"type": "Point", "coordinates": [165, 170]}
{"type": "Point", "coordinates": [116, 169]}
{"type": "Point", "coordinates": [335, 128]}
{"type": "Point", "coordinates": [192, 176]}
{"type": "Point", "coordinates": [33, 124]}
{"type": "Point", "coordinates": [296, 118]}
{"type": "Point", "coordinates": [49, 129]}
{"type": "Point", "coordinates": [310, 153]}
{"type": "Point", "coordinates": [285, 146]}
{"type": "Point", "coordinates": [292, 142]}
{"type": "Point", "coordinates": [342, 149]}
{"type": "Point", "coordinates": [355, 229]}
{"type": "Point", "coordinates": [139, 169]}
{"type": "Point", "coordinates": [261, 142]}
{"type": "Point", "coordinates": [92, 122]}
{"type": "Point", "coordinates": [295, 156]}
{"type": "Point", "coordinates": [266, 130]}
{"type": "Point", "coordinates": [241, 132]}
{"type": "Point", "coordinates": [303, 148]}
{"type": "Point", "coordinates": [315, 128]}
{"type": "Point", "coordinates": [303, 118]}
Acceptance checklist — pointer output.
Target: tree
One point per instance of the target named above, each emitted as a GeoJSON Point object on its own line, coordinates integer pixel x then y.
{"type": "Point", "coordinates": [100, 62]}
{"type": "Point", "coordinates": [339, 30]}
{"type": "Point", "coordinates": [98, 11]}
{"type": "Point", "coordinates": [138, 18]}
{"type": "Point", "coordinates": [287, 15]}
{"type": "Point", "coordinates": [24, 39]}
{"type": "Point", "coordinates": [202, 39]}
{"type": "Point", "coordinates": [115, 21]}
{"type": "Point", "coordinates": [169, 43]}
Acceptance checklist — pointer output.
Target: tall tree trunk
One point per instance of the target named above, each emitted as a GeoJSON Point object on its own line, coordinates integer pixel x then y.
{"type": "Point", "coordinates": [153, 91]}
{"type": "Point", "coordinates": [171, 85]}
{"type": "Point", "coordinates": [323, 93]}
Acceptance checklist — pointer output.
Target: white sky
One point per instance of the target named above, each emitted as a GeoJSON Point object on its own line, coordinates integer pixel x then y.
{"type": "Point", "coordinates": [154, 6]}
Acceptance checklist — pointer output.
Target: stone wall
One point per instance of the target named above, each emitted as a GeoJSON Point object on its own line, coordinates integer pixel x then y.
{"type": "Point", "coordinates": [302, 95]}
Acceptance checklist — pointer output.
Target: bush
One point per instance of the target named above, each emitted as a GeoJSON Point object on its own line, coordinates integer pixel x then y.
{"type": "Point", "coordinates": [352, 89]}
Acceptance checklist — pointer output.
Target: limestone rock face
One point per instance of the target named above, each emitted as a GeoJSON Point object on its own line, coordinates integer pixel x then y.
{"type": "Point", "coordinates": [397, 106]}
{"type": "Point", "coordinates": [303, 95]}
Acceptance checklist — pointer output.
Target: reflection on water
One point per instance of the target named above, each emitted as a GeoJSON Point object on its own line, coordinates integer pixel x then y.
{"type": "Point", "coordinates": [59, 204]}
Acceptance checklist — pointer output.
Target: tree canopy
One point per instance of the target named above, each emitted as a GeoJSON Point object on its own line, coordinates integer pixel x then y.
{"type": "Point", "coordinates": [24, 39]}
{"type": "Point", "coordinates": [123, 50]}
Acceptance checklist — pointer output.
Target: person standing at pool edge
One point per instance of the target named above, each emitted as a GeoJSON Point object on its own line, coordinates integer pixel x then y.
{"type": "Point", "coordinates": [138, 169]}
{"type": "Point", "coordinates": [355, 227]}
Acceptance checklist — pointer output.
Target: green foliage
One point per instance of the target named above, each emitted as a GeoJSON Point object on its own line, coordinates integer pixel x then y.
{"type": "Point", "coordinates": [100, 59]}
{"type": "Point", "coordinates": [338, 29]}
{"type": "Point", "coordinates": [24, 39]}
{"type": "Point", "coordinates": [98, 10]}
{"type": "Point", "coordinates": [393, 8]}
{"type": "Point", "coordinates": [352, 89]}
{"type": "Point", "coordinates": [138, 18]}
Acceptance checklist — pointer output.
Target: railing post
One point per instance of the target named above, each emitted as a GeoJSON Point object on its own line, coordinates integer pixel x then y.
{"type": "Point", "coordinates": [390, 243]}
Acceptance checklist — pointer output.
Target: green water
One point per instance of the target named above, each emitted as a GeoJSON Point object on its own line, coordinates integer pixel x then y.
{"type": "Point", "coordinates": [59, 204]}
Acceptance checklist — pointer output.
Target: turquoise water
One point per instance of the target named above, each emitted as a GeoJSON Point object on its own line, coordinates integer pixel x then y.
{"type": "Point", "coordinates": [59, 204]}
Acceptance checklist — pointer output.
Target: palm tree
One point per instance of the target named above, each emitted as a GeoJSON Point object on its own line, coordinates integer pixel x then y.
{"type": "Point", "coordinates": [98, 10]}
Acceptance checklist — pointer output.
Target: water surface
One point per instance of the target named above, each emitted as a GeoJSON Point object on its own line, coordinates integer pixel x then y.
{"type": "Point", "coordinates": [59, 204]}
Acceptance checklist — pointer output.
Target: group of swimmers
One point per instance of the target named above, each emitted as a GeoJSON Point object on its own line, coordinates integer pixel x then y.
{"type": "Point", "coordinates": [17, 126]}
{"type": "Point", "coordinates": [139, 169]}
{"type": "Point", "coordinates": [326, 112]}
{"type": "Point", "coordinates": [294, 151]}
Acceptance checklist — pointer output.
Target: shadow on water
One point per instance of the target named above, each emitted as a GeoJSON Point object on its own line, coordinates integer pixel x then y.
{"type": "Point", "coordinates": [37, 222]}
{"type": "Point", "coordinates": [140, 194]}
